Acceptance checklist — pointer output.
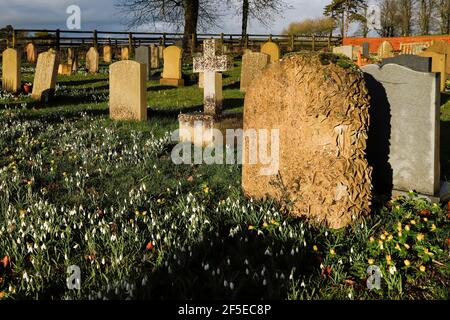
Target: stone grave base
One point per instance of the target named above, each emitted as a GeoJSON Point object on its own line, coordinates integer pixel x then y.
{"type": "Point", "coordinates": [171, 82]}
{"type": "Point", "coordinates": [65, 69]}
{"type": "Point", "coordinates": [198, 128]}
{"type": "Point", "coordinates": [443, 196]}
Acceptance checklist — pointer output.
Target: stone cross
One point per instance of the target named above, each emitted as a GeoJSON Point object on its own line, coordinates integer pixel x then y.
{"type": "Point", "coordinates": [211, 64]}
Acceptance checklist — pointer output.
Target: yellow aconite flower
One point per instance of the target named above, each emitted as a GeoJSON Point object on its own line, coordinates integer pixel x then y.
{"type": "Point", "coordinates": [433, 227]}
{"type": "Point", "coordinates": [407, 263]}
{"type": "Point", "coordinates": [265, 225]}
{"type": "Point", "coordinates": [413, 222]}
{"type": "Point", "coordinates": [388, 259]}
{"type": "Point", "coordinates": [315, 248]}
{"type": "Point", "coordinates": [371, 239]}
{"type": "Point", "coordinates": [371, 261]}
{"type": "Point", "coordinates": [206, 190]}
{"type": "Point", "coordinates": [407, 246]}
{"type": "Point", "coordinates": [422, 268]}
{"type": "Point", "coordinates": [397, 246]}
{"type": "Point", "coordinates": [425, 219]}
{"type": "Point", "coordinates": [390, 237]}
{"type": "Point", "coordinates": [407, 227]}
{"type": "Point", "coordinates": [251, 227]}
{"type": "Point", "coordinates": [383, 237]}
{"type": "Point", "coordinates": [420, 237]}
{"type": "Point", "coordinates": [332, 252]}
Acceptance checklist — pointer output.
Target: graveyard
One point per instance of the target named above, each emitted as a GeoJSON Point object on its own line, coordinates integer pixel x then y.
{"type": "Point", "coordinates": [174, 167]}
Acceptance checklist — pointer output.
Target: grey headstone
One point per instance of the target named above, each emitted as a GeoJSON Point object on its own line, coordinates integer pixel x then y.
{"type": "Point", "coordinates": [404, 136]}
{"type": "Point", "coordinates": [142, 55]}
{"type": "Point", "coordinates": [416, 63]}
{"type": "Point", "coordinates": [365, 50]}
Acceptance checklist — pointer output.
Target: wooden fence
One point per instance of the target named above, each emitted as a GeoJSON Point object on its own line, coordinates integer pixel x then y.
{"type": "Point", "coordinates": [60, 39]}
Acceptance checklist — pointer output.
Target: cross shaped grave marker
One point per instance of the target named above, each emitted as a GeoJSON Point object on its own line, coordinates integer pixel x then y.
{"type": "Point", "coordinates": [211, 65]}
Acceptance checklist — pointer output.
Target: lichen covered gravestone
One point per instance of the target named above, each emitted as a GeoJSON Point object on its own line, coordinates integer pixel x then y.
{"type": "Point", "coordinates": [128, 91]}
{"type": "Point", "coordinates": [11, 78]}
{"type": "Point", "coordinates": [107, 54]}
{"type": "Point", "coordinates": [272, 49]}
{"type": "Point", "coordinates": [125, 53]}
{"type": "Point", "coordinates": [344, 50]}
{"type": "Point", "coordinates": [154, 57]}
{"type": "Point", "coordinates": [45, 76]}
{"type": "Point", "coordinates": [172, 75]}
{"type": "Point", "coordinates": [322, 113]}
{"type": "Point", "coordinates": [441, 47]}
{"type": "Point", "coordinates": [385, 50]}
{"type": "Point", "coordinates": [92, 60]}
{"type": "Point", "coordinates": [252, 65]}
{"type": "Point", "coordinates": [405, 129]}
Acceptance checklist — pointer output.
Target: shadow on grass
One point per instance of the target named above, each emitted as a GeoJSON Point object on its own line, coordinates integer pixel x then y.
{"type": "Point", "coordinates": [234, 85]}
{"type": "Point", "coordinates": [81, 82]}
{"type": "Point", "coordinates": [160, 87]}
{"type": "Point", "coordinates": [445, 150]}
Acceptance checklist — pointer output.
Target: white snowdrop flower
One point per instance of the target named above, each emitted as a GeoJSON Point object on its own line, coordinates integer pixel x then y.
{"type": "Point", "coordinates": [392, 270]}
{"type": "Point", "coordinates": [206, 267]}
{"type": "Point", "coordinates": [267, 253]}
{"type": "Point", "coordinates": [103, 261]}
{"type": "Point", "coordinates": [292, 252]}
{"type": "Point", "coordinates": [350, 295]}
{"type": "Point", "coordinates": [231, 285]}
{"type": "Point", "coordinates": [246, 262]}
{"type": "Point", "coordinates": [340, 261]}
{"type": "Point", "coordinates": [225, 283]}
{"type": "Point", "coordinates": [228, 261]}
{"type": "Point", "coordinates": [326, 233]}
{"type": "Point", "coordinates": [214, 273]}
{"type": "Point", "coordinates": [113, 238]}
{"type": "Point", "coordinates": [218, 271]}
{"type": "Point", "coordinates": [321, 266]}
{"type": "Point", "coordinates": [247, 271]}
{"type": "Point", "coordinates": [25, 276]}
{"type": "Point", "coordinates": [303, 284]}
{"type": "Point", "coordinates": [65, 256]}
{"type": "Point", "coordinates": [304, 243]}
{"type": "Point", "coordinates": [43, 247]}
{"type": "Point", "coordinates": [264, 282]}
{"type": "Point", "coordinates": [351, 250]}
{"type": "Point", "coordinates": [18, 241]}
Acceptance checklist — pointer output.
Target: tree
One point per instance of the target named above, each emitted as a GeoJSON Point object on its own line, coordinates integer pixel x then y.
{"type": "Point", "coordinates": [444, 16]}
{"type": "Point", "coordinates": [319, 26]}
{"type": "Point", "coordinates": [261, 10]}
{"type": "Point", "coordinates": [406, 16]}
{"type": "Point", "coordinates": [346, 12]}
{"type": "Point", "coordinates": [390, 18]}
{"type": "Point", "coordinates": [186, 14]}
{"type": "Point", "coordinates": [426, 8]}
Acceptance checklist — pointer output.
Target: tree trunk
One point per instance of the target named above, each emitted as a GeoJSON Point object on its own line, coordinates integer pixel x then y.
{"type": "Point", "coordinates": [245, 11]}
{"type": "Point", "coordinates": [191, 8]}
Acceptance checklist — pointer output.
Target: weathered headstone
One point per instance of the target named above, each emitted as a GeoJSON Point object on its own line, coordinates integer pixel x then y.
{"type": "Point", "coordinates": [142, 55]}
{"type": "Point", "coordinates": [385, 50]}
{"type": "Point", "coordinates": [211, 64]}
{"type": "Point", "coordinates": [272, 49]}
{"type": "Point", "coordinates": [11, 78]}
{"type": "Point", "coordinates": [417, 63]}
{"type": "Point", "coordinates": [252, 66]}
{"type": "Point", "coordinates": [92, 60]}
{"type": "Point", "coordinates": [32, 52]}
{"type": "Point", "coordinates": [201, 80]}
{"type": "Point", "coordinates": [438, 65]}
{"type": "Point", "coordinates": [366, 50]}
{"type": "Point", "coordinates": [414, 47]}
{"type": "Point", "coordinates": [344, 50]}
{"type": "Point", "coordinates": [322, 171]}
{"type": "Point", "coordinates": [107, 54]}
{"type": "Point", "coordinates": [154, 57]}
{"type": "Point", "coordinates": [125, 53]}
{"type": "Point", "coordinates": [441, 47]}
{"type": "Point", "coordinates": [405, 129]}
{"type": "Point", "coordinates": [45, 76]}
{"type": "Point", "coordinates": [172, 75]}
{"type": "Point", "coordinates": [128, 91]}
{"type": "Point", "coordinates": [65, 69]}
{"type": "Point", "coordinates": [161, 49]}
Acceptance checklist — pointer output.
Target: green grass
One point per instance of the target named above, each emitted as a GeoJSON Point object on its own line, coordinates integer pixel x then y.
{"type": "Point", "coordinates": [79, 189]}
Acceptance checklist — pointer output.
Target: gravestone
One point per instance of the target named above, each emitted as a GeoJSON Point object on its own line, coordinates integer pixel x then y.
{"type": "Point", "coordinates": [128, 91]}
{"type": "Point", "coordinates": [92, 60]}
{"type": "Point", "coordinates": [70, 55]}
{"type": "Point", "coordinates": [321, 113]}
{"type": "Point", "coordinates": [344, 50]}
{"type": "Point", "coordinates": [441, 47]}
{"type": "Point", "coordinates": [272, 49]}
{"type": "Point", "coordinates": [414, 47]}
{"type": "Point", "coordinates": [405, 129]}
{"type": "Point", "coordinates": [210, 64]}
{"type": "Point", "coordinates": [11, 77]}
{"type": "Point", "coordinates": [107, 54]}
{"type": "Point", "coordinates": [45, 76]}
{"type": "Point", "coordinates": [142, 55]}
{"type": "Point", "coordinates": [201, 80]}
{"type": "Point", "coordinates": [161, 49]}
{"type": "Point", "coordinates": [252, 66]}
{"type": "Point", "coordinates": [385, 50]}
{"type": "Point", "coordinates": [125, 53]}
{"type": "Point", "coordinates": [32, 53]}
{"type": "Point", "coordinates": [65, 69]}
{"type": "Point", "coordinates": [172, 75]}
{"type": "Point", "coordinates": [366, 50]}
{"type": "Point", "coordinates": [438, 65]}
{"type": "Point", "coordinates": [154, 57]}
{"type": "Point", "coordinates": [421, 64]}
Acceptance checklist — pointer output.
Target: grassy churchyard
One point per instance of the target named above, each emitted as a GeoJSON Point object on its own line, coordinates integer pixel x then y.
{"type": "Point", "coordinates": [77, 188]}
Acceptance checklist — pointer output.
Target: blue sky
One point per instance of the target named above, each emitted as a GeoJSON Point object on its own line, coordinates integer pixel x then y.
{"type": "Point", "coordinates": [101, 15]}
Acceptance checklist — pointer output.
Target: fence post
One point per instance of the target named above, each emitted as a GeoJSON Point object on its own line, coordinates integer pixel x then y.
{"type": "Point", "coordinates": [329, 42]}
{"type": "Point", "coordinates": [193, 43]}
{"type": "Point", "coordinates": [313, 46]}
{"type": "Point", "coordinates": [130, 44]}
{"type": "Point", "coordinates": [270, 37]}
{"type": "Point", "coordinates": [58, 40]}
{"type": "Point", "coordinates": [164, 39]}
{"type": "Point", "coordinates": [292, 42]}
{"type": "Point", "coordinates": [14, 39]}
{"type": "Point", "coordinates": [246, 42]}
{"type": "Point", "coordinates": [94, 40]}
